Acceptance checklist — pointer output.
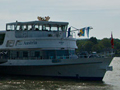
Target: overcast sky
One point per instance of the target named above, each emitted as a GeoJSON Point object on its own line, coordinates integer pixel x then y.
{"type": "Point", "coordinates": [102, 15]}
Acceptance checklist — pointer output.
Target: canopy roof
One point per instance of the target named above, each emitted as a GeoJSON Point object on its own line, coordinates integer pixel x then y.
{"type": "Point", "coordinates": [38, 22]}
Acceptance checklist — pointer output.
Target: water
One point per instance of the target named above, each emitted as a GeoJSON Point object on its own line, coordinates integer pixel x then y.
{"type": "Point", "coordinates": [111, 81]}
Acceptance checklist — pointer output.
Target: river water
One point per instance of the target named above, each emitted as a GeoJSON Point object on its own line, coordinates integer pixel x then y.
{"type": "Point", "coordinates": [111, 81]}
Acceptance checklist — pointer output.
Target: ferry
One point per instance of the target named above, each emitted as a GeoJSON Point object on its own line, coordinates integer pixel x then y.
{"type": "Point", "coordinates": [45, 48]}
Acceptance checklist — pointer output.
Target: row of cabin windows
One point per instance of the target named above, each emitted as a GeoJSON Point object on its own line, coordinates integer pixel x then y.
{"type": "Point", "coordinates": [38, 27]}
{"type": "Point", "coordinates": [45, 54]}
{"type": "Point", "coordinates": [24, 54]}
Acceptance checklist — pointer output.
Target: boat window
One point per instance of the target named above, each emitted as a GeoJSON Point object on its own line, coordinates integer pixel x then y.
{"type": "Point", "coordinates": [62, 52]}
{"type": "Point", "coordinates": [32, 53]}
{"type": "Point", "coordinates": [3, 54]}
{"type": "Point", "coordinates": [2, 36]}
{"type": "Point", "coordinates": [53, 54]}
{"type": "Point", "coordinates": [18, 27]}
{"type": "Point", "coordinates": [13, 54]}
{"type": "Point", "coordinates": [49, 54]}
{"type": "Point", "coordinates": [47, 27]}
{"type": "Point", "coordinates": [36, 27]}
{"type": "Point", "coordinates": [25, 54]}
{"type": "Point", "coordinates": [24, 27]}
{"type": "Point", "coordinates": [40, 27]}
{"type": "Point", "coordinates": [10, 27]}
{"type": "Point", "coordinates": [60, 28]}
{"type": "Point", "coordinates": [54, 28]}
{"type": "Point", "coordinates": [29, 27]}
{"type": "Point", "coordinates": [63, 27]}
{"type": "Point", "coordinates": [20, 54]}
{"type": "Point", "coordinates": [71, 52]}
{"type": "Point", "coordinates": [37, 54]}
{"type": "Point", "coordinates": [43, 27]}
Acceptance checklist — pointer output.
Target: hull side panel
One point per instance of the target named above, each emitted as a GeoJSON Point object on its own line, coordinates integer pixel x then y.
{"type": "Point", "coordinates": [89, 69]}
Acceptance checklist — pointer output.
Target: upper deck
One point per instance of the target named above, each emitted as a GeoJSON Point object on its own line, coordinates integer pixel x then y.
{"type": "Point", "coordinates": [37, 35]}
{"type": "Point", "coordinates": [38, 29]}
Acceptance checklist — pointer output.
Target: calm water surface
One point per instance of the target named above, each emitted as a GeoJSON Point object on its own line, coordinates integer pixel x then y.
{"type": "Point", "coordinates": [111, 81]}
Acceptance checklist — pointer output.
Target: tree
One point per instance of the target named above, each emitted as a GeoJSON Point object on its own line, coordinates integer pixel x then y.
{"type": "Point", "coordinates": [88, 46]}
{"type": "Point", "coordinates": [97, 48]}
{"type": "Point", "coordinates": [93, 39]}
{"type": "Point", "coordinates": [105, 42]}
{"type": "Point", "coordinates": [98, 45]}
{"type": "Point", "coordinates": [81, 45]}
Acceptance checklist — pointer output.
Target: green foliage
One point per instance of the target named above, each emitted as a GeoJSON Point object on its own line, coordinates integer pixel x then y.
{"type": "Point", "coordinates": [93, 39]}
{"type": "Point", "coordinates": [105, 42]}
{"type": "Point", "coordinates": [88, 46]}
{"type": "Point", "coordinates": [93, 44]}
{"type": "Point", "coordinates": [97, 48]}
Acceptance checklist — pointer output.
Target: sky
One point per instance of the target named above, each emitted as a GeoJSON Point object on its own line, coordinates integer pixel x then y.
{"type": "Point", "coordinates": [102, 15]}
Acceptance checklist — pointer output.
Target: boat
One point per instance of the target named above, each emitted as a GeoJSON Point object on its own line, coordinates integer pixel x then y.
{"type": "Point", "coordinates": [46, 48]}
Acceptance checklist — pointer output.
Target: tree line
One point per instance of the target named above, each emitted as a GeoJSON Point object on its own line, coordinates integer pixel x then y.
{"type": "Point", "coordinates": [100, 46]}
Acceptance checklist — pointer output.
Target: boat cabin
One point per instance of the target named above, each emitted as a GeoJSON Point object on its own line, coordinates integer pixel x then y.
{"type": "Point", "coordinates": [32, 40]}
{"type": "Point", "coordinates": [37, 25]}
{"type": "Point", "coordinates": [42, 28]}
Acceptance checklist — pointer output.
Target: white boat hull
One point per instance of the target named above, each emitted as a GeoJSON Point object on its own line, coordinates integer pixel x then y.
{"type": "Point", "coordinates": [92, 69]}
